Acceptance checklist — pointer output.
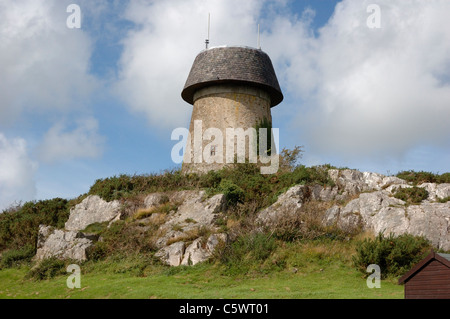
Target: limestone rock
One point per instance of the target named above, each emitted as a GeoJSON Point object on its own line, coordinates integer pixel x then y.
{"type": "Point", "coordinates": [92, 210]}
{"type": "Point", "coordinates": [379, 212]}
{"type": "Point", "coordinates": [202, 212]}
{"type": "Point", "coordinates": [194, 212]}
{"type": "Point", "coordinates": [324, 194]}
{"type": "Point", "coordinates": [61, 244]}
{"type": "Point", "coordinates": [154, 199]}
{"type": "Point", "coordinates": [353, 182]}
{"type": "Point", "coordinates": [177, 254]}
{"type": "Point", "coordinates": [214, 240]}
{"type": "Point", "coordinates": [436, 191]}
{"type": "Point", "coordinates": [172, 254]}
{"type": "Point", "coordinates": [195, 253]}
{"type": "Point", "coordinates": [287, 204]}
{"type": "Point", "coordinates": [360, 211]}
{"type": "Point", "coordinates": [431, 220]}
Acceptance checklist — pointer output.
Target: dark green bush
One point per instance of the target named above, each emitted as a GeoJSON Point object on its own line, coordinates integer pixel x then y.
{"type": "Point", "coordinates": [124, 186]}
{"type": "Point", "coordinates": [98, 251]}
{"type": "Point", "coordinates": [233, 193]}
{"type": "Point", "coordinates": [307, 175]}
{"type": "Point", "coordinates": [417, 178]}
{"type": "Point", "coordinates": [15, 257]}
{"type": "Point", "coordinates": [123, 238]}
{"type": "Point", "coordinates": [444, 200]}
{"type": "Point", "coordinates": [394, 255]}
{"type": "Point", "coordinates": [19, 228]}
{"type": "Point", "coordinates": [411, 195]}
{"type": "Point", "coordinates": [47, 269]}
{"type": "Point", "coordinates": [247, 252]}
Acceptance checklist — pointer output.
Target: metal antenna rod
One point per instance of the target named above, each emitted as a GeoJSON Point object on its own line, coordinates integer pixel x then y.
{"type": "Point", "coordinates": [259, 39]}
{"type": "Point", "coordinates": [209, 22]}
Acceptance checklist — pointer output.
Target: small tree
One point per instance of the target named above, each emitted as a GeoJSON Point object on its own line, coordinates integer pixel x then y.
{"type": "Point", "coordinates": [289, 158]}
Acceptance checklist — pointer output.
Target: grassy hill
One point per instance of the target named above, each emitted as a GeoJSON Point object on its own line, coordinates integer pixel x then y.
{"type": "Point", "coordinates": [312, 261]}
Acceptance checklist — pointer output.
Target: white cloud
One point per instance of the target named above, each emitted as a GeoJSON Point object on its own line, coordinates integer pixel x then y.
{"type": "Point", "coordinates": [350, 90]}
{"type": "Point", "coordinates": [17, 172]}
{"type": "Point", "coordinates": [373, 92]}
{"type": "Point", "coordinates": [159, 53]}
{"type": "Point", "coordinates": [61, 144]}
{"type": "Point", "coordinates": [45, 65]}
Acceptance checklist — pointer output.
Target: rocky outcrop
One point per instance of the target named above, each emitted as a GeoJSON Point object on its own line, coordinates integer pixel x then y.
{"type": "Point", "coordinates": [177, 254]}
{"type": "Point", "coordinates": [347, 183]}
{"type": "Point", "coordinates": [193, 213]}
{"type": "Point", "coordinates": [378, 211]}
{"type": "Point", "coordinates": [92, 210]}
{"type": "Point", "coordinates": [188, 234]}
{"type": "Point", "coordinates": [61, 244]}
{"type": "Point", "coordinates": [352, 182]}
{"type": "Point", "coordinates": [436, 191]}
{"type": "Point", "coordinates": [374, 208]}
{"type": "Point", "coordinates": [287, 205]}
{"type": "Point", "coordinates": [71, 243]}
{"type": "Point", "coordinates": [381, 213]}
{"type": "Point", "coordinates": [172, 254]}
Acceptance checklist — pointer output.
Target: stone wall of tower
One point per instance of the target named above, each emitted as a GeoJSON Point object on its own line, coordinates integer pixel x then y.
{"type": "Point", "coordinates": [222, 107]}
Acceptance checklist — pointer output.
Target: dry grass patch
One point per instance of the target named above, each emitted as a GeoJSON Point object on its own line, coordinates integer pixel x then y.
{"type": "Point", "coordinates": [191, 235]}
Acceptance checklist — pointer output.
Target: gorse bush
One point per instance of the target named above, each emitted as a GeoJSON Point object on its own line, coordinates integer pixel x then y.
{"type": "Point", "coordinates": [411, 195]}
{"type": "Point", "coordinates": [19, 228]}
{"type": "Point", "coordinates": [394, 255]}
{"type": "Point", "coordinates": [123, 186]}
{"type": "Point", "coordinates": [247, 253]}
{"type": "Point", "coordinates": [233, 193]}
{"type": "Point", "coordinates": [48, 269]}
{"type": "Point", "coordinates": [444, 200]}
{"type": "Point", "coordinates": [15, 257]}
{"type": "Point", "coordinates": [417, 178]}
{"type": "Point", "coordinates": [124, 238]}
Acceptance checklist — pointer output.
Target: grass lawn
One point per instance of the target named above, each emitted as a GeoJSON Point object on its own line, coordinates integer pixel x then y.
{"type": "Point", "coordinates": [206, 281]}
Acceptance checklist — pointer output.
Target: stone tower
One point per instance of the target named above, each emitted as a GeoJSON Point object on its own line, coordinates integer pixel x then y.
{"type": "Point", "coordinates": [229, 87]}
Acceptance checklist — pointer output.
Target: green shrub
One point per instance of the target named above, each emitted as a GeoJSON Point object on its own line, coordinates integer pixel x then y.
{"type": "Point", "coordinates": [47, 269]}
{"type": "Point", "coordinates": [15, 257]}
{"type": "Point", "coordinates": [247, 252]}
{"type": "Point", "coordinates": [19, 228]}
{"type": "Point", "coordinates": [307, 175]}
{"type": "Point", "coordinates": [211, 179]}
{"type": "Point", "coordinates": [394, 255]}
{"type": "Point", "coordinates": [125, 238]}
{"type": "Point", "coordinates": [444, 200]}
{"type": "Point", "coordinates": [98, 251]}
{"type": "Point", "coordinates": [289, 158]}
{"type": "Point", "coordinates": [411, 195]}
{"type": "Point", "coordinates": [125, 186]}
{"type": "Point", "coordinates": [233, 193]}
{"type": "Point", "coordinates": [417, 178]}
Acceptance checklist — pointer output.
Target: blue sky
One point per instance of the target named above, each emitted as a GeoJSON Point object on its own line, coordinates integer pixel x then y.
{"type": "Point", "coordinates": [81, 104]}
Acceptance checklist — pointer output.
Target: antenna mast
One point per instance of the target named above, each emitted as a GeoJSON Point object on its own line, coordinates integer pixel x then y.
{"type": "Point", "coordinates": [209, 21]}
{"type": "Point", "coordinates": [259, 39]}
